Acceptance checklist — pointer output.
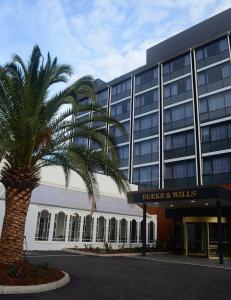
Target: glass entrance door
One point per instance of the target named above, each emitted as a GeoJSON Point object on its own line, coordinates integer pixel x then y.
{"type": "Point", "coordinates": [197, 239]}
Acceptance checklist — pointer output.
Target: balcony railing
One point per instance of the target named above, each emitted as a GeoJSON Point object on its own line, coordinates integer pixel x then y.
{"type": "Point", "coordinates": [178, 124]}
{"type": "Point", "coordinates": [142, 159]}
{"type": "Point", "coordinates": [146, 108]}
{"type": "Point", "coordinates": [216, 114]}
{"type": "Point", "coordinates": [146, 132]}
{"type": "Point", "coordinates": [179, 152]}
{"type": "Point", "coordinates": [146, 85]}
{"type": "Point", "coordinates": [121, 95]}
{"type": "Point", "coordinates": [142, 186]}
{"type": "Point", "coordinates": [122, 116]}
{"type": "Point", "coordinates": [177, 73]}
{"type": "Point", "coordinates": [180, 182]}
{"type": "Point", "coordinates": [214, 86]}
{"type": "Point", "coordinates": [217, 178]}
{"type": "Point", "coordinates": [212, 59]}
{"type": "Point", "coordinates": [216, 145]}
{"type": "Point", "coordinates": [177, 98]}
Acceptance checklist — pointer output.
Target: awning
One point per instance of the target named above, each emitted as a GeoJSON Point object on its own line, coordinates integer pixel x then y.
{"type": "Point", "coordinates": [187, 197]}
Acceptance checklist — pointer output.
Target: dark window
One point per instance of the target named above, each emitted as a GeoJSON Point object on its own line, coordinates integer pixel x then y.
{"type": "Point", "coordinates": [121, 110]}
{"type": "Point", "coordinates": [175, 141]}
{"type": "Point", "coordinates": [123, 155]}
{"type": "Point", "coordinates": [214, 74]}
{"type": "Point", "coordinates": [177, 113]}
{"type": "Point", "coordinates": [147, 125]}
{"type": "Point", "coordinates": [102, 97]}
{"type": "Point", "coordinates": [216, 132]}
{"type": "Point", "coordinates": [217, 165]}
{"type": "Point", "coordinates": [147, 76]}
{"type": "Point", "coordinates": [146, 102]}
{"type": "Point", "coordinates": [121, 88]}
{"type": "Point", "coordinates": [146, 151]}
{"type": "Point", "coordinates": [146, 174]}
{"type": "Point", "coordinates": [212, 49]}
{"type": "Point", "coordinates": [176, 64]}
{"type": "Point", "coordinates": [181, 169]}
{"type": "Point", "coordinates": [178, 87]}
{"type": "Point", "coordinates": [215, 102]}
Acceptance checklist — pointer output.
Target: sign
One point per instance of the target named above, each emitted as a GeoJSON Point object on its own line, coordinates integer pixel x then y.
{"type": "Point", "coordinates": [161, 195]}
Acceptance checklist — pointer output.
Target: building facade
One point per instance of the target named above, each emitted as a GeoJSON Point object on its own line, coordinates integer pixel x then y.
{"type": "Point", "coordinates": [176, 110]}
{"type": "Point", "coordinates": [60, 217]}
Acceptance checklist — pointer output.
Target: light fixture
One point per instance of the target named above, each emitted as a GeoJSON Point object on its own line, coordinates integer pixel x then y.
{"type": "Point", "coordinates": [192, 201]}
{"type": "Point", "coordinates": [156, 203]}
{"type": "Point", "coordinates": [206, 204]}
{"type": "Point", "coordinates": [171, 205]}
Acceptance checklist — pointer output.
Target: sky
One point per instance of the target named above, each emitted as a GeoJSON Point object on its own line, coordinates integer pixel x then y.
{"type": "Point", "coordinates": [103, 38]}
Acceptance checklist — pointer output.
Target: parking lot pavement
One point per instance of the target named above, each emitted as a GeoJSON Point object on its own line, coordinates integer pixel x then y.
{"type": "Point", "coordinates": [121, 278]}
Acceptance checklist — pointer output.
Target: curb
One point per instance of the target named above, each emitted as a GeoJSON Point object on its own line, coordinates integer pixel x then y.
{"type": "Point", "coordinates": [38, 288]}
{"type": "Point", "coordinates": [102, 254]}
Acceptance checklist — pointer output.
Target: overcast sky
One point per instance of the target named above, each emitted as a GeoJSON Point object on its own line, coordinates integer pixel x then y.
{"type": "Point", "coordinates": [104, 38]}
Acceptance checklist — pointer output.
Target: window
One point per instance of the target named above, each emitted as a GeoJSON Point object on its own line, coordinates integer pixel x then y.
{"type": "Point", "coordinates": [133, 231]}
{"type": "Point", "coordinates": [177, 113]}
{"type": "Point", "coordinates": [212, 49]}
{"type": "Point", "coordinates": [216, 133]}
{"type": "Point", "coordinates": [147, 76]}
{"type": "Point", "coordinates": [215, 102]}
{"type": "Point", "coordinates": [123, 152]}
{"type": "Point", "coordinates": [178, 87]}
{"type": "Point", "coordinates": [101, 229]}
{"type": "Point", "coordinates": [214, 74]}
{"type": "Point", "coordinates": [123, 231]}
{"type": "Point", "coordinates": [118, 134]}
{"type": "Point", "coordinates": [151, 232]}
{"type": "Point", "coordinates": [121, 108]}
{"type": "Point", "coordinates": [43, 226]}
{"type": "Point", "coordinates": [146, 98]}
{"type": "Point", "coordinates": [217, 165]}
{"type": "Point", "coordinates": [101, 97]}
{"type": "Point", "coordinates": [121, 87]}
{"type": "Point", "coordinates": [180, 170]}
{"type": "Point", "coordinates": [74, 228]}
{"type": "Point", "coordinates": [146, 174]}
{"type": "Point", "coordinates": [60, 227]}
{"type": "Point", "coordinates": [112, 231]}
{"type": "Point", "coordinates": [146, 147]}
{"type": "Point", "coordinates": [87, 228]}
{"type": "Point", "coordinates": [176, 141]}
{"type": "Point", "coordinates": [146, 122]}
{"type": "Point", "coordinates": [176, 64]}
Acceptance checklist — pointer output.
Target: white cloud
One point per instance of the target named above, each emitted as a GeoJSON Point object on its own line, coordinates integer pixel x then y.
{"type": "Point", "coordinates": [105, 38]}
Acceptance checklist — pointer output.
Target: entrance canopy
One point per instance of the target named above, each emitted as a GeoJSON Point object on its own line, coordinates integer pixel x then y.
{"type": "Point", "coordinates": [198, 196]}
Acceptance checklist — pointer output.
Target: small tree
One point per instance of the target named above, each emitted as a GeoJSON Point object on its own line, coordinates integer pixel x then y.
{"type": "Point", "coordinates": [34, 133]}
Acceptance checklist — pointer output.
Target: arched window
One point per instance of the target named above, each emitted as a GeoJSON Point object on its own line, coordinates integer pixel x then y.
{"type": "Point", "coordinates": [133, 231]}
{"type": "Point", "coordinates": [87, 228]}
{"type": "Point", "coordinates": [43, 226]}
{"type": "Point", "coordinates": [74, 228]}
{"type": "Point", "coordinates": [112, 230]}
{"type": "Point", "coordinates": [60, 227]}
{"type": "Point", "coordinates": [151, 232]}
{"type": "Point", "coordinates": [101, 229]}
{"type": "Point", "coordinates": [123, 231]}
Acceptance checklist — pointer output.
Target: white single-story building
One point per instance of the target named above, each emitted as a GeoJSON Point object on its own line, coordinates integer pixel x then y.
{"type": "Point", "coordinates": [61, 217]}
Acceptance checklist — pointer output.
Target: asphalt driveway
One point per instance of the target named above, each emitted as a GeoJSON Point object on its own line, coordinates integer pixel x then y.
{"type": "Point", "coordinates": [121, 278]}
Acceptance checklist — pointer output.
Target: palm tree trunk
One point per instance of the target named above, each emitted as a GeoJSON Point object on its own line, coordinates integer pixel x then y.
{"type": "Point", "coordinates": [16, 207]}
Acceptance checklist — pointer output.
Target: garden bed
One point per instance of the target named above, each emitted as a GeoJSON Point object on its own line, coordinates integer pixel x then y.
{"type": "Point", "coordinates": [25, 273]}
{"type": "Point", "coordinates": [113, 251]}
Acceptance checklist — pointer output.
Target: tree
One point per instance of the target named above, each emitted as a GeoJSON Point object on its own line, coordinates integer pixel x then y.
{"type": "Point", "coordinates": [34, 133]}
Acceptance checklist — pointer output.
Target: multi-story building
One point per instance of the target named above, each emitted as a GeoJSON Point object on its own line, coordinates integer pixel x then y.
{"type": "Point", "coordinates": [176, 110]}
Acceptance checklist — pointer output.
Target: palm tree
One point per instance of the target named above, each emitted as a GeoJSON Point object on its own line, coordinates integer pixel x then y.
{"type": "Point", "coordinates": [34, 133]}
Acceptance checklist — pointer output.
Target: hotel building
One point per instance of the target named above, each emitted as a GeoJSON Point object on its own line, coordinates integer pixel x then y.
{"type": "Point", "coordinates": [176, 110]}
